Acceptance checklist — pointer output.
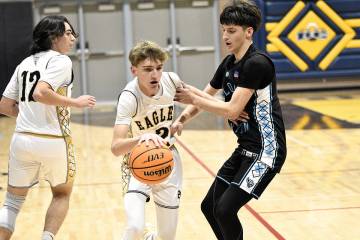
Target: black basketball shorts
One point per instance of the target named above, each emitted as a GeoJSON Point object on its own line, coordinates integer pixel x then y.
{"type": "Point", "coordinates": [245, 171]}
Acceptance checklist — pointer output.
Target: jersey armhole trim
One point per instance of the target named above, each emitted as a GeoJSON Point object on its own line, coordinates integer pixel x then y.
{"type": "Point", "coordinates": [172, 80]}
{"type": "Point", "coordinates": [137, 103]}
{"type": "Point", "coordinates": [72, 76]}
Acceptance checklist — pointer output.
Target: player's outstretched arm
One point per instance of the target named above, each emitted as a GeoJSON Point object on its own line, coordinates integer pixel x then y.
{"type": "Point", "coordinates": [8, 107]}
{"type": "Point", "coordinates": [191, 111]}
{"type": "Point", "coordinates": [230, 110]}
{"type": "Point", "coordinates": [45, 94]}
{"type": "Point", "coordinates": [208, 93]}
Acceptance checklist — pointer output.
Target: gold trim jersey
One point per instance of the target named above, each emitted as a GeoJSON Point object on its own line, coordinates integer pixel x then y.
{"type": "Point", "coordinates": [34, 117]}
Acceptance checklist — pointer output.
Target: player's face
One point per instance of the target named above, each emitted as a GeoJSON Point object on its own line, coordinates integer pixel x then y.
{"type": "Point", "coordinates": [64, 43]}
{"type": "Point", "coordinates": [149, 74]}
{"type": "Point", "coordinates": [234, 37]}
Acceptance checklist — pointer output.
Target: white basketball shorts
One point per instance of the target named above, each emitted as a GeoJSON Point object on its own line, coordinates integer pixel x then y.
{"type": "Point", "coordinates": [30, 154]}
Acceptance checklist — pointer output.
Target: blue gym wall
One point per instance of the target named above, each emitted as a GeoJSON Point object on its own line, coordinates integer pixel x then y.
{"type": "Point", "coordinates": [335, 56]}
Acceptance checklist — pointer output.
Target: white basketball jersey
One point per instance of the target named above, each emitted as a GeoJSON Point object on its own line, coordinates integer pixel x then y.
{"type": "Point", "coordinates": [148, 114]}
{"type": "Point", "coordinates": [34, 117]}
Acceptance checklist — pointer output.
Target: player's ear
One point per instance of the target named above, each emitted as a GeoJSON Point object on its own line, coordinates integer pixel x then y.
{"type": "Point", "coordinates": [133, 70]}
{"type": "Point", "coordinates": [249, 32]}
{"type": "Point", "coordinates": [53, 40]}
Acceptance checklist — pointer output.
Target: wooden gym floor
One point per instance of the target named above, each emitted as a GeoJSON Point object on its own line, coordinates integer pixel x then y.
{"type": "Point", "coordinates": [316, 196]}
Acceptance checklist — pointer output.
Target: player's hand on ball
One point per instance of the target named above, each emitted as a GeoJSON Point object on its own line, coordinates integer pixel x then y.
{"type": "Point", "coordinates": [158, 141]}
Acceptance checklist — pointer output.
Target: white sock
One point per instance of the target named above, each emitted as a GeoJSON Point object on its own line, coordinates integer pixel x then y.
{"type": "Point", "coordinates": [47, 236]}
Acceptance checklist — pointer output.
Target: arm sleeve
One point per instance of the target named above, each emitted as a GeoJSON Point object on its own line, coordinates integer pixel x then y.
{"type": "Point", "coordinates": [58, 72]}
{"type": "Point", "coordinates": [217, 80]}
{"type": "Point", "coordinates": [12, 89]}
{"type": "Point", "coordinates": [126, 108]}
{"type": "Point", "coordinates": [257, 73]}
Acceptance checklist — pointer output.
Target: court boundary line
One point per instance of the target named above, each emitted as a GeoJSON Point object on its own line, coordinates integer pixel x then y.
{"type": "Point", "coordinates": [258, 217]}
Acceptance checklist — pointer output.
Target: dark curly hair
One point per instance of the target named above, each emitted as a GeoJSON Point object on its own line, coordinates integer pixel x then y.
{"type": "Point", "coordinates": [46, 30]}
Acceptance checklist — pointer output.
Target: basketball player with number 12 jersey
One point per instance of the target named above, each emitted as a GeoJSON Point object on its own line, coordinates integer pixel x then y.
{"type": "Point", "coordinates": [39, 95]}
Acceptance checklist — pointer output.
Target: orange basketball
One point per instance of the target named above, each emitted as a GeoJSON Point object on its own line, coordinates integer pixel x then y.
{"type": "Point", "coordinates": [150, 164]}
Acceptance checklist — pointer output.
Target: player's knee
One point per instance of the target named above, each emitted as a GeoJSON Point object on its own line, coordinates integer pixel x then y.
{"type": "Point", "coordinates": [62, 191]}
{"type": "Point", "coordinates": [222, 212]}
{"type": "Point", "coordinates": [10, 210]}
{"type": "Point", "coordinates": [62, 196]}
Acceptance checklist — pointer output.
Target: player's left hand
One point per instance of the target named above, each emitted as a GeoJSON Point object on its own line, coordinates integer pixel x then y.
{"type": "Point", "coordinates": [182, 84]}
{"type": "Point", "coordinates": [184, 95]}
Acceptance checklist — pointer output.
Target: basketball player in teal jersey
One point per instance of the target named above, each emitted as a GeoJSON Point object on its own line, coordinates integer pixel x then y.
{"type": "Point", "coordinates": [145, 112]}
{"type": "Point", "coordinates": [39, 95]}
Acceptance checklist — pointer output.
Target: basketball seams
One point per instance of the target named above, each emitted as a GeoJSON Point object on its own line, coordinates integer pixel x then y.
{"type": "Point", "coordinates": [154, 180]}
{"type": "Point", "coordinates": [151, 165]}
{"type": "Point", "coordinates": [146, 152]}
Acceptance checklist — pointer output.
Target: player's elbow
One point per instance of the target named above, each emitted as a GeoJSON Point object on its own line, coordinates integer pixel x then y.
{"type": "Point", "coordinates": [42, 92]}
{"type": "Point", "coordinates": [115, 150]}
{"type": "Point", "coordinates": [38, 95]}
{"type": "Point", "coordinates": [2, 108]}
{"type": "Point", "coordinates": [232, 111]}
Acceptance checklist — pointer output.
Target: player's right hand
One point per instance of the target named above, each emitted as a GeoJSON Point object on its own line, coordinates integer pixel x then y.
{"type": "Point", "coordinates": [158, 141]}
{"type": "Point", "coordinates": [85, 101]}
{"type": "Point", "coordinates": [176, 127]}
{"type": "Point", "coordinates": [243, 117]}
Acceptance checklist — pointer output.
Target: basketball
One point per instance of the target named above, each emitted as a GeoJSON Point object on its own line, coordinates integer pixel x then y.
{"type": "Point", "coordinates": [151, 164]}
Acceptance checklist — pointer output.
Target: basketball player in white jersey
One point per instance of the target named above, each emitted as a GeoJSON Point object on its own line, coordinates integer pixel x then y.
{"type": "Point", "coordinates": [146, 111]}
{"type": "Point", "coordinates": [38, 94]}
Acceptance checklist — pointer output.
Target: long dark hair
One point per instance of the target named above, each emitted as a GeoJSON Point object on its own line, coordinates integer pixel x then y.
{"type": "Point", "coordinates": [46, 30]}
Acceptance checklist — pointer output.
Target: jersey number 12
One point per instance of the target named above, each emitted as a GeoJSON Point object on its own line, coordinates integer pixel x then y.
{"type": "Point", "coordinates": [29, 80]}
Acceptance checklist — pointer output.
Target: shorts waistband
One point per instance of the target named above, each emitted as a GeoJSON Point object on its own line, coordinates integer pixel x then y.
{"type": "Point", "coordinates": [40, 135]}
{"type": "Point", "coordinates": [249, 154]}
